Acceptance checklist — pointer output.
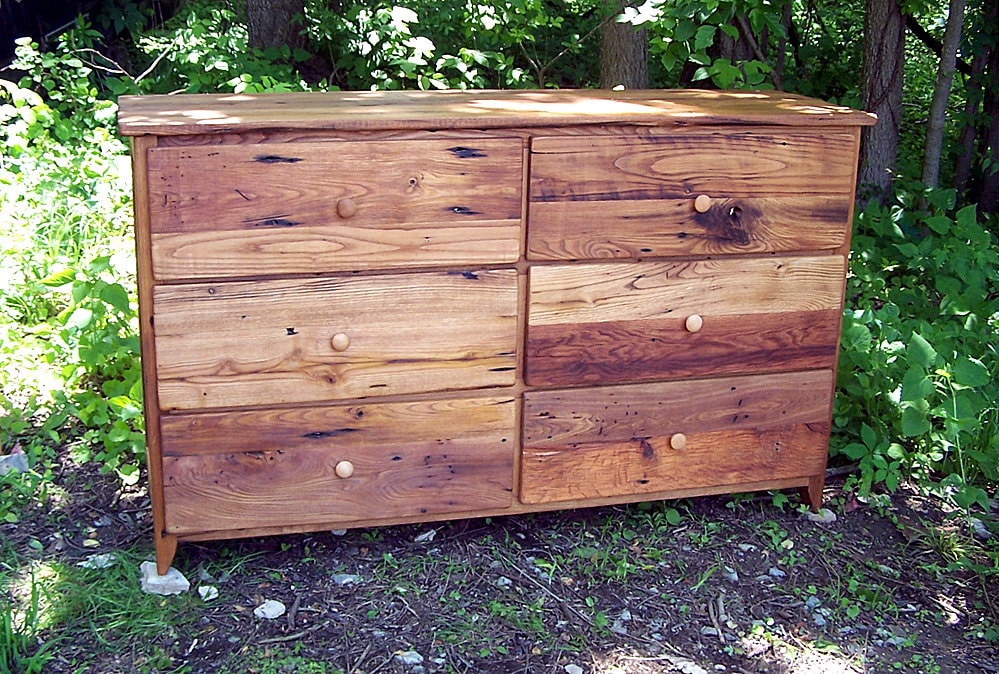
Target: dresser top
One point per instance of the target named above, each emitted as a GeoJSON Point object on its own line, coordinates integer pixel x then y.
{"type": "Point", "coordinates": [434, 110]}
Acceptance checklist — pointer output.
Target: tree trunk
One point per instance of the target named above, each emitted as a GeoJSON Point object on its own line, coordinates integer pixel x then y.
{"type": "Point", "coordinates": [884, 54]}
{"type": "Point", "coordinates": [941, 94]}
{"type": "Point", "coordinates": [274, 23]}
{"type": "Point", "coordinates": [624, 53]}
{"type": "Point", "coordinates": [969, 133]}
{"type": "Point", "coordinates": [988, 197]}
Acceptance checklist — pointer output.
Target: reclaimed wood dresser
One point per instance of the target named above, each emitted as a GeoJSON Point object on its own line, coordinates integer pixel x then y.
{"type": "Point", "coordinates": [388, 307]}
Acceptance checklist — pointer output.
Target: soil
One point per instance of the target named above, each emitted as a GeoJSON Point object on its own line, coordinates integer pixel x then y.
{"type": "Point", "coordinates": [704, 585]}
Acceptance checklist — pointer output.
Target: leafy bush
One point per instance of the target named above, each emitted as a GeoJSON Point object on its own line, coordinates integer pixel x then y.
{"type": "Point", "coordinates": [918, 366]}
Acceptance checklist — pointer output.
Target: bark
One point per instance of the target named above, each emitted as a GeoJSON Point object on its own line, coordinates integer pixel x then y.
{"type": "Point", "coordinates": [624, 53]}
{"type": "Point", "coordinates": [988, 197]}
{"type": "Point", "coordinates": [274, 23]}
{"type": "Point", "coordinates": [969, 133]}
{"type": "Point", "coordinates": [941, 94]}
{"type": "Point", "coordinates": [933, 44]}
{"type": "Point", "coordinates": [882, 79]}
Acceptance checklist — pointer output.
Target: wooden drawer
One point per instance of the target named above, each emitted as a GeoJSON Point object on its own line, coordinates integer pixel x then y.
{"type": "Point", "coordinates": [405, 459]}
{"type": "Point", "coordinates": [249, 210]}
{"type": "Point", "coordinates": [617, 322]}
{"type": "Point", "coordinates": [645, 438]}
{"type": "Point", "coordinates": [293, 341]}
{"type": "Point", "coordinates": [731, 191]}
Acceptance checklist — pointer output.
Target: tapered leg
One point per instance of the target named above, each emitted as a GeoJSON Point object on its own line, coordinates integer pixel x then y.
{"type": "Point", "coordinates": [812, 494]}
{"type": "Point", "coordinates": [166, 548]}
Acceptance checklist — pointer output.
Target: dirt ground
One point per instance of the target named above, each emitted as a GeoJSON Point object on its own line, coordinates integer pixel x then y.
{"type": "Point", "coordinates": [704, 585]}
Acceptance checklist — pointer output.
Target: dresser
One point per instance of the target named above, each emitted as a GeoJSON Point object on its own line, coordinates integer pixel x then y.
{"type": "Point", "coordinates": [362, 309]}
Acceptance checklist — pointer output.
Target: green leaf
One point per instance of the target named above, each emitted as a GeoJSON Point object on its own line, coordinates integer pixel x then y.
{"type": "Point", "coordinates": [920, 352]}
{"type": "Point", "coordinates": [971, 372]}
{"type": "Point", "coordinates": [914, 422]}
{"type": "Point", "coordinates": [939, 223]}
{"type": "Point", "coordinates": [59, 278]}
{"type": "Point", "coordinates": [115, 295]}
{"type": "Point", "coordinates": [80, 318]}
{"type": "Point", "coordinates": [704, 37]}
{"type": "Point", "coordinates": [967, 217]}
{"type": "Point", "coordinates": [869, 437]}
{"type": "Point", "coordinates": [916, 385]}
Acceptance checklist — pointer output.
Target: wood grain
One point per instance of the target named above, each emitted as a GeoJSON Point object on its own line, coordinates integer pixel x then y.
{"type": "Point", "coordinates": [621, 413]}
{"type": "Point", "coordinates": [580, 230]}
{"type": "Point", "coordinates": [447, 462]}
{"type": "Point", "coordinates": [646, 465]}
{"type": "Point", "coordinates": [235, 113]}
{"type": "Point", "coordinates": [269, 342]}
{"type": "Point", "coordinates": [357, 426]}
{"type": "Point", "coordinates": [614, 323]}
{"type": "Point", "coordinates": [249, 210]}
{"type": "Point", "coordinates": [725, 164]}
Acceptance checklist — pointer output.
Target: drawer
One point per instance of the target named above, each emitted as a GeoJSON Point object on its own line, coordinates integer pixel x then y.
{"type": "Point", "coordinates": [731, 191]}
{"type": "Point", "coordinates": [247, 210]}
{"type": "Point", "coordinates": [319, 465]}
{"type": "Point", "coordinates": [646, 438]}
{"type": "Point", "coordinates": [309, 340]}
{"type": "Point", "coordinates": [618, 322]}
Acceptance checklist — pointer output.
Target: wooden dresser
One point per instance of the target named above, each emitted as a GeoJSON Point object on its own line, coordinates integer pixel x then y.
{"type": "Point", "coordinates": [375, 308]}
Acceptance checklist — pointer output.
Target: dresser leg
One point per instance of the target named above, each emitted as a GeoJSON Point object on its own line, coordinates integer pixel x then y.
{"type": "Point", "coordinates": [166, 548]}
{"type": "Point", "coordinates": [812, 494]}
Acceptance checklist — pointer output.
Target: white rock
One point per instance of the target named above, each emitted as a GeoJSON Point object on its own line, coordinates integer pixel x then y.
{"type": "Point", "coordinates": [339, 532]}
{"type": "Point", "coordinates": [426, 536]}
{"type": "Point", "coordinates": [103, 560]}
{"type": "Point", "coordinates": [687, 666]}
{"type": "Point", "coordinates": [730, 574]}
{"type": "Point", "coordinates": [503, 582]}
{"type": "Point", "coordinates": [573, 669]}
{"type": "Point", "coordinates": [626, 616]}
{"type": "Point", "coordinates": [15, 461]}
{"type": "Point", "coordinates": [746, 547]}
{"type": "Point", "coordinates": [343, 579]}
{"type": "Point", "coordinates": [408, 658]}
{"type": "Point", "coordinates": [208, 592]}
{"type": "Point", "coordinates": [173, 582]}
{"type": "Point", "coordinates": [618, 628]}
{"type": "Point", "coordinates": [824, 516]}
{"type": "Point", "coordinates": [774, 572]}
{"type": "Point", "coordinates": [270, 610]}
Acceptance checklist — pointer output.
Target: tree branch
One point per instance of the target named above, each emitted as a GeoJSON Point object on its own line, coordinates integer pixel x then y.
{"type": "Point", "coordinates": [933, 44]}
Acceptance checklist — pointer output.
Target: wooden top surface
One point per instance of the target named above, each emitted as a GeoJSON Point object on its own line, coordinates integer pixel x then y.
{"type": "Point", "coordinates": [388, 110]}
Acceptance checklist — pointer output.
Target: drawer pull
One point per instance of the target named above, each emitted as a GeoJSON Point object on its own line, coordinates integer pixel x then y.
{"type": "Point", "coordinates": [346, 208]}
{"type": "Point", "coordinates": [702, 204]}
{"type": "Point", "coordinates": [678, 441]}
{"type": "Point", "coordinates": [344, 469]}
{"type": "Point", "coordinates": [693, 323]}
{"type": "Point", "coordinates": [340, 342]}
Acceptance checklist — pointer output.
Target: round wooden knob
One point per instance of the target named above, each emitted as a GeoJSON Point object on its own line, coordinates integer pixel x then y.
{"type": "Point", "coordinates": [346, 208]}
{"type": "Point", "coordinates": [340, 342]}
{"type": "Point", "coordinates": [678, 441]}
{"type": "Point", "coordinates": [693, 323]}
{"type": "Point", "coordinates": [702, 203]}
{"type": "Point", "coordinates": [344, 469]}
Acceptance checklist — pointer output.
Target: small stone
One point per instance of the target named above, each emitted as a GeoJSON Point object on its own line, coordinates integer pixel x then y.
{"type": "Point", "coordinates": [103, 521]}
{"type": "Point", "coordinates": [208, 592]}
{"type": "Point", "coordinates": [774, 572]}
{"type": "Point", "coordinates": [573, 669]}
{"type": "Point", "coordinates": [426, 536]}
{"type": "Point", "coordinates": [270, 610]}
{"type": "Point", "coordinates": [824, 516]}
{"type": "Point", "coordinates": [819, 620]}
{"type": "Point", "coordinates": [339, 532]}
{"type": "Point", "coordinates": [979, 530]}
{"type": "Point", "coordinates": [746, 547]}
{"type": "Point", "coordinates": [503, 582]}
{"type": "Point", "coordinates": [617, 627]}
{"type": "Point", "coordinates": [625, 616]}
{"type": "Point", "coordinates": [812, 602]}
{"type": "Point", "coordinates": [709, 631]}
{"type": "Point", "coordinates": [91, 543]}
{"type": "Point", "coordinates": [344, 579]}
{"type": "Point", "coordinates": [408, 658]}
{"type": "Point", "coordinates": [687, 666]}
{"type": "Point", "coordinates": [730, 574]}
{"type": "Point", "coordinates": [16, 461]}
{"type": "Point", "coordinates": [172, 582]}
{"type": "Point", "coordinates": [103, 560]}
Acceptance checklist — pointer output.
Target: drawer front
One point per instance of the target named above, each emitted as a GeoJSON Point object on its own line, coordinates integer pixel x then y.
{"type": "Point", "coordinates": [247, 210]}
{"type": "Point", "coordinates": [336, 464]}
{"type": "Point", "coordinates": [645, 438]}
{"type": "Point", "coordinates": [617, 322]}
{"type": "Point", "coordinates": [691, 194]}
{"type": "Point", "coordinates": [307, 340]}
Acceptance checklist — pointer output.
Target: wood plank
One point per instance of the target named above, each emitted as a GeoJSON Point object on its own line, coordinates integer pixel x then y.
{"type": "Point", "coordinates": [270, 342]}
{"type": "Point", "coordinates": [454, 465]}
{"type": "Point", "coordinates": [643, 350]}
{"type": "Point", "coordinates": [250, 210]}
{"type": "Point", "coordinates": [646, 465]}
{"type": "Point", "coordinates": [579, 230]}
{"type": "Point", "coordinates": [724, 164]}
{"type": "Point", "coordinates": [622, 413]}
{"type": "Point", "coordinates": [235, 113]}
{"type": "Point", "coordinates": [564, 294]}
{"type": "Point", "coordinates": [356, 427]}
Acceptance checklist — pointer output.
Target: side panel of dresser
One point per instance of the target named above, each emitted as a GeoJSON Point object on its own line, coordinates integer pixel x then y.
{"type": "Point", "coordinates": [165, 544]}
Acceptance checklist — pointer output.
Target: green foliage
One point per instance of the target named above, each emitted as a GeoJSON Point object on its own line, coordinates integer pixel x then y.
{"type": "Point", "coordinates": [20, 651]}
{"type": "Point", "coordinates": [67, 314]}
{"type": "Point", "coordinates": [918, 362]}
